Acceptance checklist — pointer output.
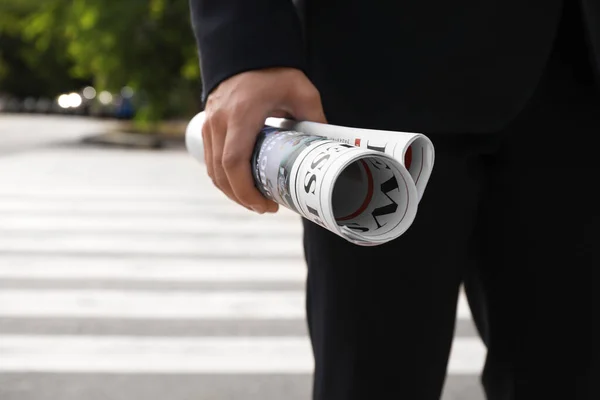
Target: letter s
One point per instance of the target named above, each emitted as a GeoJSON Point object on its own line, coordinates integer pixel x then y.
{"type": "Point", "coordinates": [308, 185]}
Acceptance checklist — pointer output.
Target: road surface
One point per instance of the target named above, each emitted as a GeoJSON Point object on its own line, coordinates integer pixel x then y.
{"type": "Point", "coordinates": [125, 275]}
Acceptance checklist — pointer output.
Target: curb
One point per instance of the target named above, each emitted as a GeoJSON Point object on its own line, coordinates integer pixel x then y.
{"type": "Point", "coordinates": [126, 140]}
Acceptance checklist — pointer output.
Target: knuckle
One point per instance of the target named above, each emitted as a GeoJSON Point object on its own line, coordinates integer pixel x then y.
{"type": "Point", "coordinates": [214, 119]}
{"type": "Point", "coordinates": [213, 115]}
{"type": "Point", "coordinates": [231, 160]}
{"type": "Point", "coordinates": [310, 94]}
{"type": "Point", "coordinates": [240, 106]}
{"type": "Point", "coordinates": [206, 128]}
{"type": "Point", "coordinates": [218, 160]}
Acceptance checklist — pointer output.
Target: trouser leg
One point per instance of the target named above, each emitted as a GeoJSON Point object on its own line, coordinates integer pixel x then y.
{"type": "Point", "coordinates": [537, 281]}
{"type": "Point", "coordinates": [381, 319]}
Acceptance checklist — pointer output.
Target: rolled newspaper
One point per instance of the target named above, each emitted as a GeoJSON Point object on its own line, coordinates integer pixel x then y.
{"type": "Point", "coordinates": [364, 195]}
{"type": "Point", "coordinates": [414, 150]}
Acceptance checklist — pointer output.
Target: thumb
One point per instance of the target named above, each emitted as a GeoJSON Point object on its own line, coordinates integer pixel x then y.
{"type": "Point", "coordinates": [306, 105]}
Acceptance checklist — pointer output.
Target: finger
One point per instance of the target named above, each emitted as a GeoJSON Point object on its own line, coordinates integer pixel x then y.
{"type": "Point", "coordinates": [239, 144]}
{"type": "Point", "coordinates": [207, 146]}
{"type": "Point", "coordinates": [218, 133]}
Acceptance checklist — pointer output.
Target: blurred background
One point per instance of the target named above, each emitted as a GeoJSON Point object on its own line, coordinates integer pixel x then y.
{"type": "Point", "coordinates": [124, 274]}
{"type": "Point", "coordinates": [126, 60]}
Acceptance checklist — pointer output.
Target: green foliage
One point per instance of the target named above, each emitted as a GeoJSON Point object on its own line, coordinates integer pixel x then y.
{"type": "Point", "coordinates": [26, 70]}
{"type": "Point", "coordinates": [145, 44]}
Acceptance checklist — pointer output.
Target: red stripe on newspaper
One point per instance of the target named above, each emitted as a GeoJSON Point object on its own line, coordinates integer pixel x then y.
{"type": "Point", "coordinates": [408, 158]}
{"type": "Point", "coordinates": [368, 197]}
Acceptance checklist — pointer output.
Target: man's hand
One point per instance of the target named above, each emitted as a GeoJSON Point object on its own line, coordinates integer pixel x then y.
{"type": "Point", "coordinates": [235, 113]}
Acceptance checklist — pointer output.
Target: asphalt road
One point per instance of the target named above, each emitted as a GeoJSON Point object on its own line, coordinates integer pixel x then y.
{"type": "Point", "coordinates": [125, 275]}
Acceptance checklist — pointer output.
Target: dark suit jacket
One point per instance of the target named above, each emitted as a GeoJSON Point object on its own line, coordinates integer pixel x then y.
{"type": "Point", "coordinates": [414, 65]}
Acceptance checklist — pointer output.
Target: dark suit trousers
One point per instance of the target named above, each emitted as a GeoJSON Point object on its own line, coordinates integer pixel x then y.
{"type": "Point", "coordinates": [514, 217]}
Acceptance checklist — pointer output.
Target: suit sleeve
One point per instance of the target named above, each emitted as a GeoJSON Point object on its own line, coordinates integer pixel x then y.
{"type": "Point", "coordinates": [235, 36]}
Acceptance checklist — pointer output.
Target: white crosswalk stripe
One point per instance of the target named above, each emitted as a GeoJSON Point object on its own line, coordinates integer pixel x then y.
{"type": "Point", "coordinates": [131, 217]}
{"type": "Point", "coordinates": [223, 355]}
{"type": "Point", "coordinates": [189, 270]}
{"type": "Point", "coordinates": [147, 224]}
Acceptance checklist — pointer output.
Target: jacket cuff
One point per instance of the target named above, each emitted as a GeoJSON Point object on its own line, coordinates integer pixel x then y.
{"type": "Point", "coordinates": [233, 47]}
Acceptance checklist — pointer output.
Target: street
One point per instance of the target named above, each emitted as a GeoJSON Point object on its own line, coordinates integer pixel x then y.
{"type": "Point", "coordinates": [124, 274]}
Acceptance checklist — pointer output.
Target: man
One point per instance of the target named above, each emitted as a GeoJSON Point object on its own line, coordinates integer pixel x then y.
{"type": "Point", "coordinates": [507, 90]}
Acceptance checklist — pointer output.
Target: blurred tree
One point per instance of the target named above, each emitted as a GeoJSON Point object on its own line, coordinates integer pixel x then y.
{"type": "Point", "coordinates": [26, 70]}
{"type": "Point", "coordinates": [146, 45]}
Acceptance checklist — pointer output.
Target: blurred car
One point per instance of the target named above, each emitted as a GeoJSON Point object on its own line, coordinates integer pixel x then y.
{"type": "Point", "coordinates": [85, 102]}
{"type": "Point", "coordinates": [44, 106]}
{"type": "Point", "coordinates": [11, 105]}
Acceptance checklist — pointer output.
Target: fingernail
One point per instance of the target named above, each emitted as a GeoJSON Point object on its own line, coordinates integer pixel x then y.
{"type": "Point", "coordinates": [258, 209]}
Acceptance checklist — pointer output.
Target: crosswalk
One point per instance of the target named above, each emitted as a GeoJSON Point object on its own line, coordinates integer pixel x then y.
{"type": "Point", "coordinates": [124, 270]}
